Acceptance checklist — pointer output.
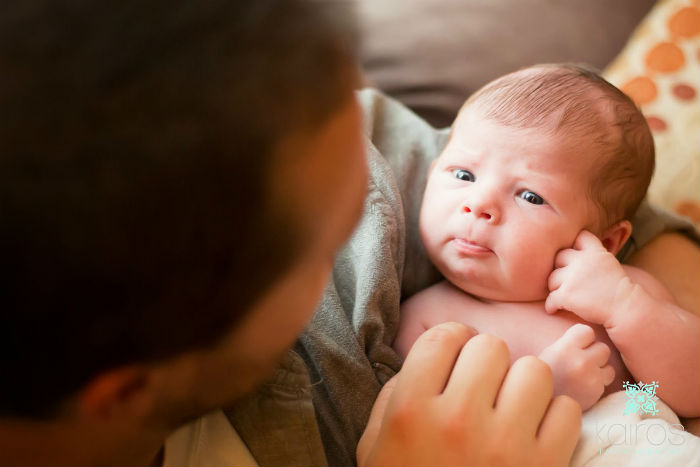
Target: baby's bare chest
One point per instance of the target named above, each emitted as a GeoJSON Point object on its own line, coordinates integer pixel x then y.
{"type": "Point", "coordinates": [524, 326]}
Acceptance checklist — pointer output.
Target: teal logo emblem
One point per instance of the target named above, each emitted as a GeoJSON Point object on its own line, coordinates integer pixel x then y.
{"type": "Point", "coordinates": [641, 398]}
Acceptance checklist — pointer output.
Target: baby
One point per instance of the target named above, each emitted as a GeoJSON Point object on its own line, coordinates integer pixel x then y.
{"type": "Point", "coordinates": [523, 213]}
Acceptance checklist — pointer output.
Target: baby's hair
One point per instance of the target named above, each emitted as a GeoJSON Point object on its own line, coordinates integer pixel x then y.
{"type": "Point", "coordinates": [575, 99]}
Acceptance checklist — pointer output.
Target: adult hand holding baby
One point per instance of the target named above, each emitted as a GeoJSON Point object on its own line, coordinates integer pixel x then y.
{"type": "Point", "coordinates": [588, 281]}
{"type": "Point", "coordinates": [456, 402]}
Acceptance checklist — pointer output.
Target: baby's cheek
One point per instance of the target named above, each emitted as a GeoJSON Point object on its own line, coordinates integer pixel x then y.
{"type": "Point", "coordinates": [434, 217]}
{"type": "Point", "coordinates": [532, 272]}
{"type": "Point", "coordinates": [429, 233]}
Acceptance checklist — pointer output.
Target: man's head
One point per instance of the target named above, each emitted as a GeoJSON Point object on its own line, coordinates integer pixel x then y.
{"type": "Point", "coordinates": [170, 170]}
{"type": "Point", "coordinates": [534, 157]}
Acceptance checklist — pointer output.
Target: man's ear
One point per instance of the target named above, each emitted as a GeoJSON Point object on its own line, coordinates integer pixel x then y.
{"type": "Point", "coordinates": [615, 237]}
{"type": "Point", "coordinates": [122, 392]}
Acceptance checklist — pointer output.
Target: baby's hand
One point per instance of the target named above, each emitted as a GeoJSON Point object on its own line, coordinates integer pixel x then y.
{"type": "Point", "coordinates": [579, 365]}
{"type": "Point", "coordinates": [588, 281]}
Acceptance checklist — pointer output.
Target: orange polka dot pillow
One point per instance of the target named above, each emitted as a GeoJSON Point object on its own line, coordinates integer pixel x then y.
{"type": "Point", "coordinates": [659, 69]}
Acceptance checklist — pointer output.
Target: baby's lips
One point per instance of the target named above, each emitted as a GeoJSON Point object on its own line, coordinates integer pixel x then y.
{"type": "Point", "coordinates": [470, 247]}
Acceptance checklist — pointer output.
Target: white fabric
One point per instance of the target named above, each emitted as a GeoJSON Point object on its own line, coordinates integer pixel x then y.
{"type": "Point", "coordinates": [609, 437]}
{"type": "Point", "coordinates": [209, 441]}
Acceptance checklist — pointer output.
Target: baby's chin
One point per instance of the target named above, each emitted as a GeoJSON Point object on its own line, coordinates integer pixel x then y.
{"type": "Point", "coordinates": [498, 292]}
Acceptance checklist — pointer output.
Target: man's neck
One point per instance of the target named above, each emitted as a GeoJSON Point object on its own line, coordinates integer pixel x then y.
{"type": "Point", "coordinates": [24, 442]}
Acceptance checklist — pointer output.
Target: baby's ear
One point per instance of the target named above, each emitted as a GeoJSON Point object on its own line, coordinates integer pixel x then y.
{"type": "Point", "coordinates": [615, 237]}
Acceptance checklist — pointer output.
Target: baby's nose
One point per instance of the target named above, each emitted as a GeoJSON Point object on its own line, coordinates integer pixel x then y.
{"type": "Point", "coordinates": [486, 215]}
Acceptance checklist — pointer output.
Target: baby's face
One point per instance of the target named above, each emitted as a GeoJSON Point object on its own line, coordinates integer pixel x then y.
{"type": "Point", "coordinates": [500, 202]}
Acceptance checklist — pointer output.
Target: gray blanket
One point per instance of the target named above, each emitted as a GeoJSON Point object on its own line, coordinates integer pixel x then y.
{"type": "Point", "coordinates": [314, 409]}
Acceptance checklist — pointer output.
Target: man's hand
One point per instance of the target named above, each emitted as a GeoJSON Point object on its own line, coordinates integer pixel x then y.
{"type": "Point", "coordinates": [579, 365]}
{"type": "Point", "coordinates": [588, 281]}
{"type": "Point", "coordinates": [455, 402]}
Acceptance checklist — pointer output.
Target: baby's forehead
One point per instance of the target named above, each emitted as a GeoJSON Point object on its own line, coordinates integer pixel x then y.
{"type": "Point", "coordinates": [545, 146]}
{"type": "Point", "coordinates": [555, 153]}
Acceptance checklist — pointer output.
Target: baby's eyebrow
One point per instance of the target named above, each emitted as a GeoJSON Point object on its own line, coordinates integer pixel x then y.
{"type": "Point", "coordinates": [464, 155]}
{"type": "Point", "coordinates": [543, 178]}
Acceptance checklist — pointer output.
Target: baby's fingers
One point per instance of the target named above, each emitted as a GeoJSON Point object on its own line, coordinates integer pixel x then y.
{"type": "Point", "coordinates": [553, 302]}
{"type": "Point", "coordinates": [599, 353]}
{"type": "Point", "coordinates": [587, 240]}
{"type": "Point", "coordinates": [564, 257]}
{"type": "Point", "coordinates": [579, 336]}
{"type": "Point", "coordinates": [560, 297]}
{"type": "Point", "coordinates": [607, 374]}
{"type": "Point", "coordinates": [556, 279]}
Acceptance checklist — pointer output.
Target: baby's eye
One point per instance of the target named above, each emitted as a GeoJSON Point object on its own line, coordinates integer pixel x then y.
{"type": "Point", "coordinates": [465, 175]}
{"type": "Point", "coordinates": [532, 197]}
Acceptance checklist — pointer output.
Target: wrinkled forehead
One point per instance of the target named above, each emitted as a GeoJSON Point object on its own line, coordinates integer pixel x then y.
{"type": "Point", "coordinates": [546, 147]}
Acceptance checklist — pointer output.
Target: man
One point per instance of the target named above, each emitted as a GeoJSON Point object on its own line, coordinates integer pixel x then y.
{"type": "Point", "coordinates": [176, 179]}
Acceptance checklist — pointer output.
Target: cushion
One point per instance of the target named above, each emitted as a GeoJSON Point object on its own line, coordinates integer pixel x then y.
{"type": "Point", "coordinates": [659, 69]}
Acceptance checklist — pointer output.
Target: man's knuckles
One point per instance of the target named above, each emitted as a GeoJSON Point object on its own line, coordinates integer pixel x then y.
{"type": "Point", "coordinates": [448, 334]}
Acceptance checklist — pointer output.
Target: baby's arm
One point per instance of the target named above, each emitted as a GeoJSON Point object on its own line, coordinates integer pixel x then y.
{"type": "Point", "coordinates": [658, 340]}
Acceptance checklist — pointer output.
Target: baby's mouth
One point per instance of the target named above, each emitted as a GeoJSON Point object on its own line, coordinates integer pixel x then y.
{"type": "Point", "coordinates": [470, 247]}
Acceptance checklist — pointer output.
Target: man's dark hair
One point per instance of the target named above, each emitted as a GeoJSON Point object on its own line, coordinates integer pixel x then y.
{"type": "Point", "coordinates": [135, 142]}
